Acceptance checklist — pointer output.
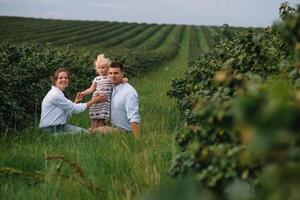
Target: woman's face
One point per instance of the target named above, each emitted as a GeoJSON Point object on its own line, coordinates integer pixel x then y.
{"type": "Point", "coordinates": [62, 80]}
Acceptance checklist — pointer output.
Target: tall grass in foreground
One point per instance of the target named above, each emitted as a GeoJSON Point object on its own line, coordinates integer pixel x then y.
{"type": "Point", "coordinates": [113, 166]}
{"type": "Point", "coordinates": [117, 165]}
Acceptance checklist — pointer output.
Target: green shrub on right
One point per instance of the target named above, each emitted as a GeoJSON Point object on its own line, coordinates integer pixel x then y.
{"type": "Point", "coordinates": [240, 106]}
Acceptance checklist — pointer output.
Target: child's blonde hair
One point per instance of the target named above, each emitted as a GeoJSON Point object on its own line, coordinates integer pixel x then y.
{"type": "Point", "coordinates": [102, 60]}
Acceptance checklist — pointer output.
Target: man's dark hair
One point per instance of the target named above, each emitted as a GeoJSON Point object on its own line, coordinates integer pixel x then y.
{"type": "Point", "coordinates": [117, 65]}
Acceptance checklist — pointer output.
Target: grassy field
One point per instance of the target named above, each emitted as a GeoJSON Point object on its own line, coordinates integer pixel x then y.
{"type": "Point", "coordinates": [98, 167]}
{"type": "Point", "coordinates": [221, 128]}
{"type": "Point", "coordinates": [34, 165]}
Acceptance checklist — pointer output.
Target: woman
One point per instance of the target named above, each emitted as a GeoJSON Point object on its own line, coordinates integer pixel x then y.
{"type": "Point", "coordinates": [56, 108]}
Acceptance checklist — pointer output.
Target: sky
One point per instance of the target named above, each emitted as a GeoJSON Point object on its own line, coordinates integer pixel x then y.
{"type": "Point", "coordinates": [247, 13]}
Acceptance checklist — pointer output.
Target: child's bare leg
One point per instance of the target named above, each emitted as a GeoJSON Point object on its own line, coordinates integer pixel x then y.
{"type": "Point", "coordinates": [105, 130]}
{"type": "Point", "coordinates": [94, 124]}
{"type": "Point", "coordinates": [101, 122]}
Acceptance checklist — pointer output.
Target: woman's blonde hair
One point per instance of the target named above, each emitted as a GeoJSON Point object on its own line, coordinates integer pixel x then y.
{"type": "Point", "coordinates": [102, 60]}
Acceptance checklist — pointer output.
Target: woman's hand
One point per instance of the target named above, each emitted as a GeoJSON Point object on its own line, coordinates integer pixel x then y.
{"type": "Point", "coordinates": [79, 97]}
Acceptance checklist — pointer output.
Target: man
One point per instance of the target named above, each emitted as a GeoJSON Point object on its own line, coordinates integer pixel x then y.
{"type": "Point", "coordinates": [124, 104]}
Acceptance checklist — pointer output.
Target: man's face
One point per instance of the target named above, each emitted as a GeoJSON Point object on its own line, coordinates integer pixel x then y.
{"type": "Point", "coordinates": [115, 75]}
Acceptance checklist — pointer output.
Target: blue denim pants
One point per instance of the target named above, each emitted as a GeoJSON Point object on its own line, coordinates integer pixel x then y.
{"type": "Point", "coordinates": [64, 129]}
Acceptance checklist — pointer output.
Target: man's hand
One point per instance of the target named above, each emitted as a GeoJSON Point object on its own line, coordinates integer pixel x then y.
{"type": "Point", "coordinates": [124, 80]}
{"type": "Point", "coordinates": [135, 127]}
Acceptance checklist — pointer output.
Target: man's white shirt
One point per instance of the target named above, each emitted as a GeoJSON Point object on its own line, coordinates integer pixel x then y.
{"type": "Point", "coordinates": [124, 106]}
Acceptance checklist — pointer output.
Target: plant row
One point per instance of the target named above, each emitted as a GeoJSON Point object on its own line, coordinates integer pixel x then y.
{"type": "Point", "coordinates": [135, 41]}
{"type": "Point", "coordinates": [125, 36]}
{"type": "Point", "coordinates": [194, 44]}
{"type": "Point", "coordinates": [87, 34]}
{"type": "Point", "coordinates": [106, 36]}
{"type": "Point", "coordinates": [155, 41]}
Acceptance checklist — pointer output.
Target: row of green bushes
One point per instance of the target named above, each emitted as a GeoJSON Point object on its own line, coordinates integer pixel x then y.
{"type": "Point", "coordinates": [194, 44]}
{"type": "Point", "coordinates": [157, 40]}
{"type": "Point", "coordinates": [135, 41]}
{"type": "Point", "coordinates": [107, 35]}
{"type": "Point", "coordinates": [88, 34]}
{"type": "Point", "coordinates": [241, 109]}
{"type": "Point", "coordinates": [64, 33]}
{"type": "Point", "coordinates": [125, 36]}
{"type": "Point", "coordinates": [25, 79]}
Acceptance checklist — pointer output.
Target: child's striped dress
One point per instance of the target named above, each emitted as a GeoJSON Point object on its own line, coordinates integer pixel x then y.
{"type": "Point", "coordinates": [102, 110]}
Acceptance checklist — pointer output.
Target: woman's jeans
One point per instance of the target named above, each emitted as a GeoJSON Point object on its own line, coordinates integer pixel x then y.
{"type": "Point", "coordinates": [65, 129]}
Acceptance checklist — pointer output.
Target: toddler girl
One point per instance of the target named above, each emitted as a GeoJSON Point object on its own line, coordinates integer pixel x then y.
{"type": "Point", "coordinates": [100, 112]}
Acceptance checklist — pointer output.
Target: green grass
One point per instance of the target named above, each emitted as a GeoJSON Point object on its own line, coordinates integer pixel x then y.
{"type": "Point", "coordinates": [115, 166]}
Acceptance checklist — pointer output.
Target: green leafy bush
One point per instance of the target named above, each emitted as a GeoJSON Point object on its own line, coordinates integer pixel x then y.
{"type": "Point", "coordinates": [232, 95]}
{"type": "Point", "coordinates": [25, 79]}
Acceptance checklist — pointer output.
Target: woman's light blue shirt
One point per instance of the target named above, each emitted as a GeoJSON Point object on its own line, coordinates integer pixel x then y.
{"type": "Point", "coordinates": [56, 108]}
